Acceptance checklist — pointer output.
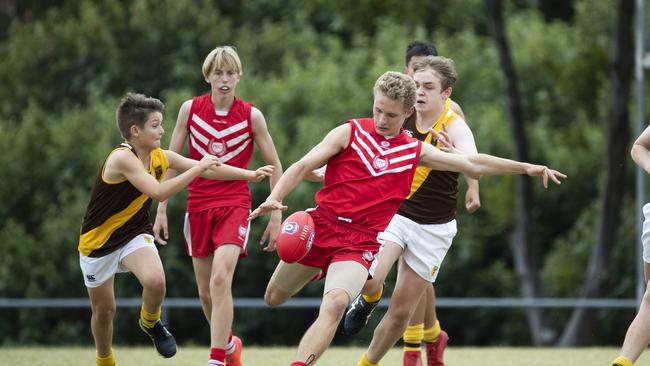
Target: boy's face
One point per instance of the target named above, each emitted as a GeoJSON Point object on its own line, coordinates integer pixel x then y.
{"type": "Point", "coordinates": [150, 134]}
{"type": "Point", "coordinates": [389, 115]}
{"type": "Point", "coordinates": [223, 80]}
{"type": "Point", "coordinates": [429, 93]}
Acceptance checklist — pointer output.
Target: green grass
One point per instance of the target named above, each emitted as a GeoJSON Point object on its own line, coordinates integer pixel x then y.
{"type": "Point", "coordinates": [338, 356]}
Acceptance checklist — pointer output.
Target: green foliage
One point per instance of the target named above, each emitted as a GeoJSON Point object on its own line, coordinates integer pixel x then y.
{"type": "Point", "coordinates": [308, 68]}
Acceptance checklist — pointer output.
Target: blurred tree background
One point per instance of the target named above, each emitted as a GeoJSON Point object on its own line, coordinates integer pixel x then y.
{"type": "Point", "coordinates": [309, 66]}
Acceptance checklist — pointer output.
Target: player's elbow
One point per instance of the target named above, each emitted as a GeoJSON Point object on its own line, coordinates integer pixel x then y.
{"type": "Point", "coordinates": [474, 172]}
{"type": "Point", "coordinates": [473, 169]}
{"type": "Point", "coordinates": [159, 195]}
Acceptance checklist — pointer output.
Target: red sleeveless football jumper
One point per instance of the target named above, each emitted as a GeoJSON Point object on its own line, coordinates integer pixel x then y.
{"type": "Point", "coordinates": [228, 137]}
{"type": "Point", "coordinates": [364, 187]}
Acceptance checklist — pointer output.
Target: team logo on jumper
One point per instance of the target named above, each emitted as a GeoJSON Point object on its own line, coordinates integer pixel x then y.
{"type": "Point", "coordinates": [242, 231]}
{"type": "Point", "coordinates": [217, 147]}
{"type": "Point", "coordinates": [409, 132]}
{"type": "Point", "coordinates": [368, 256]}
{"type": "Point", "coordinates": [380, 162]}
{"type": "Point", "coordinates": [290, 228]}
{"type": "Point", "coordinates": [385, 144]}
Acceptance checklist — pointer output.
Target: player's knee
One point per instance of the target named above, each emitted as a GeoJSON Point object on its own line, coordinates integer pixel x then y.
{"type": "Point", "coordinates": [400, 314]}
{"type": "Point", "coordinates": [219, 281]}
{"type": "Point", "coordinates": [334, 303]}
{"type": "Point", "coordinates": [154, 284]}
{"type": "Point", "coordinates": [274, 297]}
{"type": "Point", "coordinates": [104, 313]}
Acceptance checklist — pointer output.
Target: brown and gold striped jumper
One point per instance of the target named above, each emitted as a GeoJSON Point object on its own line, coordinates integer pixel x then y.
{"type": "Point", "coordinates": [117, 211]}
{"type": "Point", "coordinates": [433, 195]}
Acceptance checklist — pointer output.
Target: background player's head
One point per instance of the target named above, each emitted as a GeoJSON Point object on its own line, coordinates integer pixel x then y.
{"type": "Point", "coordinates": [415, 52]}
{"type": "Point", "coordinates": [442, 66]}
{"type": "Point", "coordinates": [394, 97]}
{"type": "Point", "coordinates": [137, 113]}
{"type": "Point", "coordinates": [434, 78]}
{"type": "Point", "coordinates": [222, 69]}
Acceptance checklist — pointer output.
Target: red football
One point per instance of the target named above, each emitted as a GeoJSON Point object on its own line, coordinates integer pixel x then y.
{"type": "Point", "coordinates": [295, 237]}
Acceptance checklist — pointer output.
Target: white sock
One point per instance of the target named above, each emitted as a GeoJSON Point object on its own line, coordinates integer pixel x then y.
{"type": "Point", "coordinates": [230, 347]}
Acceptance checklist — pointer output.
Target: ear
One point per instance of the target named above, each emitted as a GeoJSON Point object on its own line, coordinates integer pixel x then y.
{"type": "Point", "coordinates": [447, 92]}
{"type": "Point", "coordinates": [134, 131]}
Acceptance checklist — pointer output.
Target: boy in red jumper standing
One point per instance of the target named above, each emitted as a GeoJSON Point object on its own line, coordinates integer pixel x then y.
{"type": "Point", "coordinates": [216, 224]}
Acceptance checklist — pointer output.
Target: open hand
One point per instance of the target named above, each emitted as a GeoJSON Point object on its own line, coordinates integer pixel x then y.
{"type": "Point", "coordinates": [271, 233]}
{"type": "Point", "coordinates": [546, 174]}
{"type": "Point", "coordinates": [268, 205]}
{"type": "Point", "coordinates": [444, 143]}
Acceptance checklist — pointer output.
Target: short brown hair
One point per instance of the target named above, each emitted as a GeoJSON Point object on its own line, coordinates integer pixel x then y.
{"type": "Point", "coordinates": [398, 87]}
{"type": "Point", "coordinates": [134, 109]}
{"type": "Point", "coordinates": [443, 66]}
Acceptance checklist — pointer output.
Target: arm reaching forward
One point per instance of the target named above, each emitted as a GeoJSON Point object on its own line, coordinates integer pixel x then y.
{"type": "Point", "coordinates": [476, 165]}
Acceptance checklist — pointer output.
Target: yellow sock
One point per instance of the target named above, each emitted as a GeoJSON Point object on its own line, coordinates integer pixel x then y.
{"type": "Point", "coordinates": [149, 319]}
{"type": "Point", "coordinates": [431, 334]}
{"type": "Point", "coordinates": [364, 361]}
{"type": "Point", "coordinates": [413, 337]}
{"type": "Point", "coordinates": [622, 361]}
{"type": "Point", "coordinates": [106, 361]}
{"type": "Point", "coordinates": [372, 298]}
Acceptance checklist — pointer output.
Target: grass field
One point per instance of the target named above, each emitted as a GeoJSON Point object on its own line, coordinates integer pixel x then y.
{"type": "Point", "coordinates": [281, 356]}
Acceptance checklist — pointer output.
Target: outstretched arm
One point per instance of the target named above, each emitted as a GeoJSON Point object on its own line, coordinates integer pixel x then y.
{"type": "Point", "coordinates": [219, 171]}
{"type": "Point", "coordinates": [477, 165]}
{"type": "Point", "coordinates": [335, 141]}
{"type": "Point", "coordinates": [124, 164]}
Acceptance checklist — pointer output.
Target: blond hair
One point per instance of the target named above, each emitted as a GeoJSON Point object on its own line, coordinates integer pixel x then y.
{"type": "Point", "coordinates": [443, 66]}
{"type": "Point", "coordinates": [398, 87]}
{"type": "Point", "coordinates": [223, 57]}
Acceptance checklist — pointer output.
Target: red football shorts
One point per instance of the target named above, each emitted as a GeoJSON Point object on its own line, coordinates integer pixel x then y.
{"type": "Point", "coordinates": [338, 241]}
{"type": "Point", "coordinates": [209, 229]}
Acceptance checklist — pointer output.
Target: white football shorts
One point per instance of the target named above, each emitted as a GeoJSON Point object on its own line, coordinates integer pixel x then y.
{"type": "Point", "coordinates": [97, 270]}
{"type": "Point", "coordinates": [425, 246]}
